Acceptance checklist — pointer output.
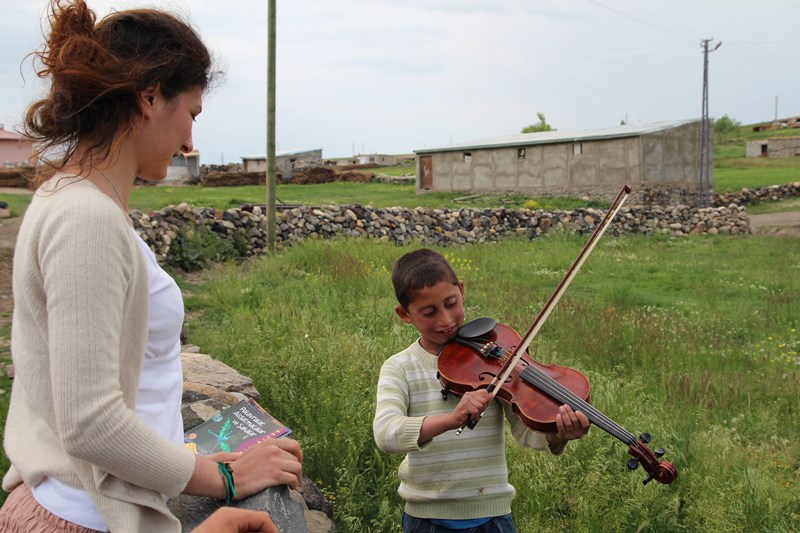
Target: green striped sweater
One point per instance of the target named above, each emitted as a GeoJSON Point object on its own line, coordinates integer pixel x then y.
{"type": "Point", "coordinates": [454, 477]}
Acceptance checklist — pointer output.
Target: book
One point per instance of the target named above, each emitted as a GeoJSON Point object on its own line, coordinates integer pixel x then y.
{"type": "Point", "coordinates": [235, 429]}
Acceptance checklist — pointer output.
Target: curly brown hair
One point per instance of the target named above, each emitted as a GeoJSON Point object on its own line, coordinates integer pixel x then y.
{"type": "Point", "coordinates": [98, 70]}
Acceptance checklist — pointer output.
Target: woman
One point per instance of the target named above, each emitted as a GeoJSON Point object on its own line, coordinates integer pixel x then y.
{"type": "Point", "coordinates": [94, 432]}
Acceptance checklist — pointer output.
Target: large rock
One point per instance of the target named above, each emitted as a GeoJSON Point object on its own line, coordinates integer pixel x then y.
{"type": "Point", "coordinates": [209, 387]}
{"type": "Point", "coordinates": [288, 512]}
{"type": "Point", "coordinates": [202, 368]}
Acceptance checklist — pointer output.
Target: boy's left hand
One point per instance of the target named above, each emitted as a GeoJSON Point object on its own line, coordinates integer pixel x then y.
{"type": "Point", "coordinates": [571, 426]}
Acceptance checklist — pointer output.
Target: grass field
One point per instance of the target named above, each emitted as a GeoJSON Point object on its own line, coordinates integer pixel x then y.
{"type": "Point", "coordinates": [694, 340]}
{"type": "Point", "coordinates": [733, 171]}
{"type": "Point", "coordinates": [376, 194]}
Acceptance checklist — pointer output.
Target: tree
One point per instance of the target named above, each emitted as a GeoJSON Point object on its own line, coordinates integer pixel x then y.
{"type": "Point", "coordinates": [725, 127]}
{"type": "Point", "coordinates": [542, 125]}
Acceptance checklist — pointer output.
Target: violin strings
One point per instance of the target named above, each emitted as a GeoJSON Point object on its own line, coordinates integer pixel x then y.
{"type": "Point", "coordinates": [559, 392]}
{"type": "Point", "coordinates": [547, 384]}
{"type": "Point", "coordinates": [556, 390]}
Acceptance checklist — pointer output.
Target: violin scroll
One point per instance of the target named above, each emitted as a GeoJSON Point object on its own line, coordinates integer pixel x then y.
{"type": "Point", "coordinates": [661, 471]}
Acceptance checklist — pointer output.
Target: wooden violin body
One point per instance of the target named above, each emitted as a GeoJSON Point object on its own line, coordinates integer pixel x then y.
{"type": "Point", "coordinates": [460, 371]}
{"type": "Point", "coordinates": [475, 357]}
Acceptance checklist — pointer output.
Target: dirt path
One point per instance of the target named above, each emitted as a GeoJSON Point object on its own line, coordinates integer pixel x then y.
{"type": "Point", "coordinates": [787, 223]}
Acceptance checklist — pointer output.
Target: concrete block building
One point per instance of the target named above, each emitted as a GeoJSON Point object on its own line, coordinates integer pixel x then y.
{"type": "Point", "coordinates": [774, 147]}
{"type": "Point", "coordinates": [286, 162]}
{"type": "Point", "coordinates": [661, 161]}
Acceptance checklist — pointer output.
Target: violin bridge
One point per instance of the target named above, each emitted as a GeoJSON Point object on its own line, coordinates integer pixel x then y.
{"type": "Point", "coordinates": [506, 355]}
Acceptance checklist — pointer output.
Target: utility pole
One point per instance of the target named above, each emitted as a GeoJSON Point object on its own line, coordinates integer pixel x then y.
{"type": "Point", "coordinates": [705, 131]}
{"type": "Point", "coordinates": [270, 218]}
{"type": "Point", "coordinates": [776, 111]}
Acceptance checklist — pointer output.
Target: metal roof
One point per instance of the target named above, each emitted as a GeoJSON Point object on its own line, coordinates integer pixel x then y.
{"type": "Point", "coordinates": [281, 154]}
{"type": "Point", "coordinates": [554, 137]}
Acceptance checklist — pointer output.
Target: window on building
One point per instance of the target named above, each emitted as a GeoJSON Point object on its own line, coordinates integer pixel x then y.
{"type": "Point", "coordinates": [764, 149]}
{"type": "Point", "coordinates": [520, 153]}
{"type": "Point", "coordinates": [577, 148]}
{"type": "Point", "coordinates": [467, 157]}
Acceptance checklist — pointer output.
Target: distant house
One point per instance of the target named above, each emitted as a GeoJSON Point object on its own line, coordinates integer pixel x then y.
{"type": "Point", "coordinates": [183, 168]}
{"type": "Point", "coordinates": [284, 161]}
{"type": "Point", "coordinates": [15, 150]}
{"type": "Point", "coordinates": [661, 161]}
{"type": "Point", "coordinates": [381, 160]}
{"type": "Point", "coordinates": [774, 147]}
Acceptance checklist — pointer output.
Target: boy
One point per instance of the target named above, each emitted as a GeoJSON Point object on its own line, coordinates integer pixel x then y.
{"type": "Point", "coordinates": [448, 482]}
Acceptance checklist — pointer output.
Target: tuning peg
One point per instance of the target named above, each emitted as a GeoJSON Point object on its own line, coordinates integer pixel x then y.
{"type": "Point", "coordinates": [633, 463]}
{"type": "Point", "coordinates": [445, 392]}
{"type": "Point", "coordinates": [645, 437]}
{"type": "Point", "coordinates": [658, 452]}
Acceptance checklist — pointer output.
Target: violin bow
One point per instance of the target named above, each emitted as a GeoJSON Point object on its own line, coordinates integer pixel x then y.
{"type": "Point", "coordinates": [519, 351]}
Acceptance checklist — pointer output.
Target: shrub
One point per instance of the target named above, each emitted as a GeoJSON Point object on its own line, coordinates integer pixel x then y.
{"type": "Point", "coordinates": [197, 245]}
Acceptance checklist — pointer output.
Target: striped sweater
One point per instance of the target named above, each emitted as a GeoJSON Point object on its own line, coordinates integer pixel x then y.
{"type": "Point", "coordinates": [451, 477]}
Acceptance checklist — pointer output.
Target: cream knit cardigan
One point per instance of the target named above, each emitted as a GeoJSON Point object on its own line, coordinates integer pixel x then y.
{"type": "Point", "coordinates": [77, 340]}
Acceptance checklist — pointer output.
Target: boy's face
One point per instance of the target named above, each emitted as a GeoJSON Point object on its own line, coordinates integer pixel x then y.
{"type": "Point", "coordinates": [436, 311]}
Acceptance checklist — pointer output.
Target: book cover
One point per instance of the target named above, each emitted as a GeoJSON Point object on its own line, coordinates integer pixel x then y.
{"type": "Point", "coordinates": [235, 429]}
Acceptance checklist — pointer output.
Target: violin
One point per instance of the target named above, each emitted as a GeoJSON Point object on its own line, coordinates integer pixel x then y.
{"type": "Point", "coordinates": [475, 356]}
{"type": "Point", "coordinates": [485, 354]}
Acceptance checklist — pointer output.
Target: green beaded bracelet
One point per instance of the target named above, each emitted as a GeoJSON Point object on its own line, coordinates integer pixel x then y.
{"type": "Point", "coordinates": [227, 480]}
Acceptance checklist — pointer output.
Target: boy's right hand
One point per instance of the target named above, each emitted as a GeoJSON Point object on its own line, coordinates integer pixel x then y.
{"type": "Point", "coordinates": [471, 407]}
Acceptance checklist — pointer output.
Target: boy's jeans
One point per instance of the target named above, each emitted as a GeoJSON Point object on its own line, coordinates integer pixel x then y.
{"type": "Point", "coordinates": [498, 524]}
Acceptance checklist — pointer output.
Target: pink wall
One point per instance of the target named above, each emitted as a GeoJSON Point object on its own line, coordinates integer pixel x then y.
{"type": "Point", "coordinates": [14, 151]}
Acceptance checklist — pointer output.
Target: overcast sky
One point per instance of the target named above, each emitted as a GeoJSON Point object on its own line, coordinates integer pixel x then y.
{"type": "Point", "coordinates": [393, 76]}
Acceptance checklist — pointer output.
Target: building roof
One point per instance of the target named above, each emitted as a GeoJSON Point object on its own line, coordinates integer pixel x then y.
{"type": "Point", "coordinates": [555, 137]}
{"type": "Point", "coordinates": [281, 154]}
{"type": "Point", "coordinates": [5, 134]}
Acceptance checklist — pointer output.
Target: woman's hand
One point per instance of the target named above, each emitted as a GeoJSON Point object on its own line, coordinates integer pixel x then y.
{"type": "Point", "coordinates": [267, 464]}
{"type": "Point", "coordinates": [233, 520]}
{"type": "Point", "coordinates": [223, 457]}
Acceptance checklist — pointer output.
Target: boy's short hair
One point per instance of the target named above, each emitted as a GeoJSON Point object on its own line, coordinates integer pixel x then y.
{"type": "Point", "coordinates": [417, 270]}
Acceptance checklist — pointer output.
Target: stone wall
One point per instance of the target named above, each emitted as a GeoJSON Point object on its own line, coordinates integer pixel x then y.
{"type": "Point", "coordinates": [447, 226]}
{"type": "Point", "coordinates": [745, 197]}
{"type": "Point", "coordinates": [423, 225]}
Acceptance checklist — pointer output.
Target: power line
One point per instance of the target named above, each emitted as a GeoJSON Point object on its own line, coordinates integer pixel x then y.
{"type": "Point", "coordinates": [677, 26]}
{"type": "Point", "coordinates": [646, 22]}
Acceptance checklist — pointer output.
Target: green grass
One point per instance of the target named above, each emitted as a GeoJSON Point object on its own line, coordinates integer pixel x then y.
{"type": "Point", "coordinates": [16, 202]}
{"type": "Point", "coordinates": [692, 340]}
{"type": "Point", "coordinates": [791, 204]}
{"type": "Point", "coordinates": [397, 170]}
{"type": "Point", "coordinates": [337, 193]}
{"type": "Point", "coordinates": [733, 171]}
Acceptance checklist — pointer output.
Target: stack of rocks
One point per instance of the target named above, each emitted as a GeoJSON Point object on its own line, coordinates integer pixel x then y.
{"type": "Point", "coordinates": [245, 226]}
